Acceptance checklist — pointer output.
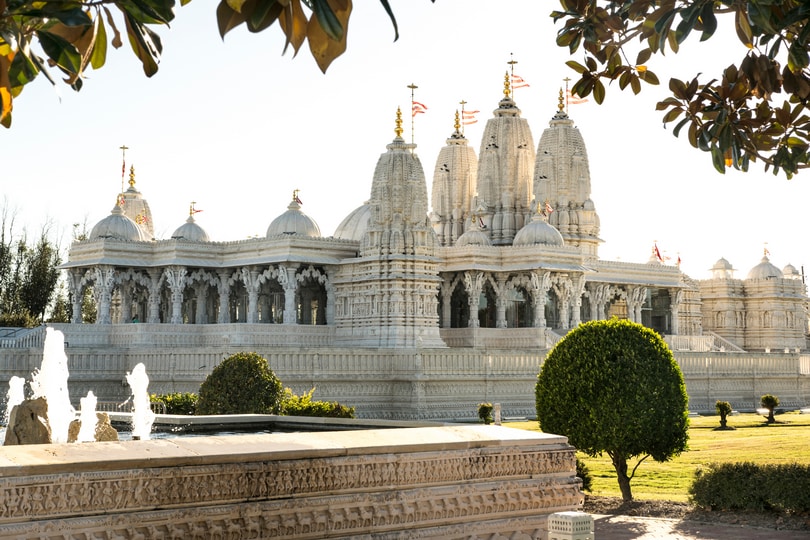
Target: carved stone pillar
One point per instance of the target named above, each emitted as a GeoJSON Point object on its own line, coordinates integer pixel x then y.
{"type": "Point", "coordinates": [500, 301]}
{"type": "Point", "coordinates": [176, 280]}
{"type": "Point", "coordinates": [201, 313]}
{"type": "Point", "coordinates": [286, 277]}
{"type": "Point", "coordinates": [597, 298]}
{"type": "Point", "coordinates": [104, 282]}
{"type": "Point", "coordinates": [76, 288]}
{"type": "Point", "coordinates": [224, 289]}
{"type": "Point", "coordinates": [541, 283]}
{"type": "Point", "coordinates": [329, 285]}
{"type": "Point", "coordinates": [675, 298]}
{"type": "Point", "coordinates": [153, 301]}
{"type": "Point", "coordinates": [447, 302]}
{"type": "Point", "coordinates": [250, 277]}
{"type": "Point", "coordinates": [126, 301]}
{"type": "Point", "coordinates": [473, 284]}
{"type": "Point", "coordinates": [577, 290]}
{"type": "Point", "coordinates": [562, 288]}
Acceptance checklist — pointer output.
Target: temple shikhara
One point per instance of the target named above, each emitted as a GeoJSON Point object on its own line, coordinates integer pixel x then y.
{"type": "Point", "coordinates": [422, 307]}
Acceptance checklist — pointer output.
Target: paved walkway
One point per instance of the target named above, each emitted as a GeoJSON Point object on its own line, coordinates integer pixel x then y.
{"type": "Point", "coordinates": [639, 528]}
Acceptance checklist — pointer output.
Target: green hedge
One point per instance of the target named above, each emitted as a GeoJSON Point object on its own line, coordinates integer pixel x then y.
{"type": "Point", "coordinates": [304, 405]}
{"type": "Point", "coordinates": [177, 403]}
{"type": "Point", "coordinates": [749, 486]}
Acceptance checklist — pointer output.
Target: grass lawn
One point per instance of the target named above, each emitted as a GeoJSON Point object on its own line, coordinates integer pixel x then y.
{"type": "Point", "coordinates": [787, 441]}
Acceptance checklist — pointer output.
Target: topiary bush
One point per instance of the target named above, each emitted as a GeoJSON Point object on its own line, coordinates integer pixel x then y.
{"type": "Point", "coordinates": [485, 413]}
{"type": "Point", "coordinates": [177, 403]}
{"type": "Point", "coordinates": [748, 486]}
{"type": "Point", "coordinates": [304, 405]}
{"type": "Point", "coordinates": [242, 384]}
{"type": "Point", "coordinates": [723, 409]}
{"type": "Point", "coordinates": [770, 402]}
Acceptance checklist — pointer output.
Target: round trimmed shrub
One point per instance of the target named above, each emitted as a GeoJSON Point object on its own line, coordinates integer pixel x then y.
{"type": "Point", "coordinates": [242, 384]}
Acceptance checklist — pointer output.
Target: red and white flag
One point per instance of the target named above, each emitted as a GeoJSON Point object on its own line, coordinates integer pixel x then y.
{"type": "Point", "coordinates": [418, 108]}
{"type": "Point", "coordinates": [572, 99]}
{"type": "Point", "coordinates": [518, 82]}
{"type": "Point", "coordinates": [657, 253]}
{"type": "Point", "coordinates": [468, 117]}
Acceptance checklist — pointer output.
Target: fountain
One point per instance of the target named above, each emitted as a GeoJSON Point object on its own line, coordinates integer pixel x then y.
{"type": "Point", "coordinates": [87, 417]}
{"type": "Point", "coordinates": [50, 382]}
{"type": "Point", "coordinates": [142, 415]}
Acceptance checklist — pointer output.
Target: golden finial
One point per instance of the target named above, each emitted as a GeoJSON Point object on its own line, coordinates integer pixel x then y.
{"type": "Point", "coordinates": [132, 176]}
{"type": "Point", "coordinates": [191, 208]}
{"type": "Point", "coordinates": [507, 89]}
{"type": "Point", "coordinates": [561, 101]}
{"type": "Point", "coordinates": [398, 129]}
{"type": "Point", "coordinates": [457, 124]}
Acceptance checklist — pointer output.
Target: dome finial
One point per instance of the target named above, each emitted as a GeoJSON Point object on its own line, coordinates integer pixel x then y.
{"type": "Point", "coordinates": [561, 101]}
{"type": "Point", "coordinates": [132, 177]}
{"type": "Point", "coordinates": [398, 129]}
{"type": "Point", "coordinates": [457, 123]}
{"type": "Point", "coordinates": [507, 89]}
{"type": "Point", "coordinates": [295, 196]}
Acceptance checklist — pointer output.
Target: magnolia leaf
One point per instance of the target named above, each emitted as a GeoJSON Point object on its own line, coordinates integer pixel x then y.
{"type": "Point", "coordinates": [99, 54]}
{"type": "Point", "coordinates": [116, 40]}
{"type": "Point", "coordinates": [599, 91]}
{"type": "Point", "coordinates": [324, 49]}
{"type": "Point", "coordinates": [708, 21]}
{"type": "Point", "coordinates": [235, 5]}
{"type": "Point", "coordinates": [228, 18]}
{"type": "Point", "coordinates": [576, 66]}
{"type": "Point", "coordinates": [743, 28]}
{"type": "Point", "coordinates": [5, 91]}
{"type": "Point", "coordinates": [718, 159]}
{"type": "Point", "coordinates": [62, 52]}
{"type": "Point", "coordinates": [145, 44]}
{"type": "Point", "coordinates": [264, 14]}
{"type": "Point", "coordinates": [388, 10]}
{"type": "Point", "coordinates": [328, 20]}
{"type": "Point", "coordinates": [294, 23]}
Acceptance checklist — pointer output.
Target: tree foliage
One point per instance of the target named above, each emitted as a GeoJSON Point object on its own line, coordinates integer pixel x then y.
{"type": "Point", "coordinates": [756, 109]}
{"type": "Point", "coordinates": [73, 35]}
{"type": "Point", "coordinates": [28, 274]}
{"type": "Point", "coordinates": [613, 386]}
{"type": "Point", "coordinates": [770, 402]}
{"type": "Point", "coordinates": [304, 405]}
{"type": "Point", "coordinates": [243, 383]}
{"type": "Point", "coordinates": [723, 409]}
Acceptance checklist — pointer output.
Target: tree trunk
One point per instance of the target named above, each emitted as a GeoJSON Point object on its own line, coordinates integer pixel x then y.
{"type": "Point", "coordinates": [771, 419]}
{"type": "Point", "coordinates": [620, 464]}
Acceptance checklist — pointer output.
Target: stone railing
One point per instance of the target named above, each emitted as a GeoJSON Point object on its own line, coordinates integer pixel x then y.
{"type": "Point", "coordinates": [499, 338]}
{"type": "Point", "coordinates": [442, 482]}
{"type": "Point", "coordinates": [22, 338]}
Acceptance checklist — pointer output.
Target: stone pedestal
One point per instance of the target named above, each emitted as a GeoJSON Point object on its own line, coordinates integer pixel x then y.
{"type": "Point", "coordinates": [570, 526]}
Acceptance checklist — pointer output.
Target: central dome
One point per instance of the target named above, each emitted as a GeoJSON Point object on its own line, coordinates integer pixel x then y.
{"type": "Point", "coordinates": [293, 221]}
{"type": "Point", "coordinates": [117, 225]}
{"type": "Point", "coordinates": [538, 231]}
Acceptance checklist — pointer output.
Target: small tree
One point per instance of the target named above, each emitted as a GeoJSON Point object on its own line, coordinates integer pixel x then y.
{"type": "Point", "coordinates": [723, 409]}
{"type": "Point", "coordinates": [242, 384]}
{"type": "Point", "coordinates": [613, 386]}
{"type": "Point", "coordinates": [770, 402]}
{"type": "Point", "coordinates": [485, 412]}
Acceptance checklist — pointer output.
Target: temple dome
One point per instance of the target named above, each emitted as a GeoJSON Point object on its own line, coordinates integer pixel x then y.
{"type": "Point", "coordinates": [191, 232]}
{"type": "Point", "coordinates": [117, 225]}
{"type": "Point", "coordinates": [293, 221]}
{"type": "Point", "coordinates": [354, 226]}
{"type": "Point", "coordinates": [538, 231]}
{"type": "Point", "coordinates": [722, 269]}
{"type": "Point", "coordinates": [791, 272]}
{"type": "Point", "coordinates": [764, 270]}
{"type": "Point", "coordinates": [474, 237]}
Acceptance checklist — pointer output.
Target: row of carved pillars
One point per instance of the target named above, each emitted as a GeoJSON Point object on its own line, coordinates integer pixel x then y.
{"type": "Point", "coordinates": [106, 280]}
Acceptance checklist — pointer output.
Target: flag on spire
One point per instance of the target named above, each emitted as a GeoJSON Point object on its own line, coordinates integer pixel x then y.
{"type": "Point", "coordinates": [468, 117]}
{"type": "Point", "coordinates": [572, 99]}
{"type": "Point", "coordinates": [418, 108]}
{"type": "Point", "coordinates": [657, 253]}
{"type": "Point", "coordinates": [518, 82]}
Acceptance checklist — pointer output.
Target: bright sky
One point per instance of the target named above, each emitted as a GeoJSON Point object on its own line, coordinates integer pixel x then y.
{"type": "Point", "coordinates": [237, 127]}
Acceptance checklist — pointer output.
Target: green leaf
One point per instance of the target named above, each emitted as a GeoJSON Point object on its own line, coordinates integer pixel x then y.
{"type": "Point", "coordinates": [599, 91]}
{"type": "Point", "coordinates": [63, 53]}
{"type": "Point", "coordinates": [68, 17]}
{"type": "Point", "coordinates": [718, 159]}
{"type": "Point", "coordinates": [327, 19]}
{"type": "Point", "coordinates": [227, 18]}
{"type": "Point", "coordinates": [145, 44]}
{"type": "Point", "coordinates": [99, 54]}
{"type": "Point", "coordinates": [388, 10]}
{"type": "Point", "coordinates": [709, 21]}
{"type": "Point", "coordinates": [576, 66]}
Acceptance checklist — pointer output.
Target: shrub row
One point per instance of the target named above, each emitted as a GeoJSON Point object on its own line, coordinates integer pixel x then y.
{"type": "Point", "coordinates": [749, 486]}
{"type": "Point", "coordinates": [304, 405]}
{"type": "Point", "coordinates": [177, 403]}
